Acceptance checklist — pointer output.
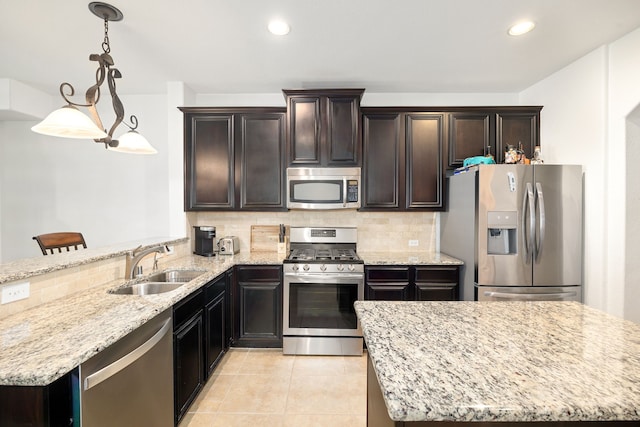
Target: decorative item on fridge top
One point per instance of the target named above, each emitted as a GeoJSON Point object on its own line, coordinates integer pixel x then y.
{"type": "Point", "coordinates": [515, 155]}
{"type": "Point", "coordinates": [537, 156]}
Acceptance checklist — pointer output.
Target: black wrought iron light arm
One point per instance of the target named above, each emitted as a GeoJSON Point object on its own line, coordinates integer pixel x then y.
{"type": "Point", "coordinates": [92, 95]}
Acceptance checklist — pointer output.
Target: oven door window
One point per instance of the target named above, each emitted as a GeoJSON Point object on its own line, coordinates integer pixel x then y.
{"type": "Point", "coordinates": [316, 191]}
{"type": "Point", "coordinates": [322, 306]}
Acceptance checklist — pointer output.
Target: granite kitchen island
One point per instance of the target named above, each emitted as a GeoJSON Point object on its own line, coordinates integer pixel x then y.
{"type": "Point", "coordinates": [499, 363]}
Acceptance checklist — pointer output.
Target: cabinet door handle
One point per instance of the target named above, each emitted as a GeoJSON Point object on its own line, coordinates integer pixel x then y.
{"type": "Point", "coordinates": [120, 364]}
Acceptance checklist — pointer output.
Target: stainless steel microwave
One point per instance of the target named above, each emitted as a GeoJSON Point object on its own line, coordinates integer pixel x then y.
{"type": "Point", "coordinates": [323, 188]}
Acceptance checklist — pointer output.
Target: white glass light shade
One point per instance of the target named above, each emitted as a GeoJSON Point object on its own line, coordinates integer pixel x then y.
{"type": "Point", "coordinates": [69, 122]}
{"type": "Point", "coordinates": [134, 143]}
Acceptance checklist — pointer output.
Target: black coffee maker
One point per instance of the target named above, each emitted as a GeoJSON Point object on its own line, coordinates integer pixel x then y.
{"type": "Point", "coordinates": [204, 240]}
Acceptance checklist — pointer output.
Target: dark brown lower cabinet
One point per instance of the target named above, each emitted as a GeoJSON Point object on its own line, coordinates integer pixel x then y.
{"type": "Point", "coordinates": [200, 339]}
{"type": "Point", "coordinates": [215, 323]}
{"type": "Point", "coordinates": [435, 283]}
{"type": "Point", "coordinates": [387, 284]}
{"type": "Point", "coordinates": [412, 283]}
{"type": "Point", "coordinates": [46, 406]}
{"type": "Point", "coordinates": [257, 306]}
{"type": "Point", "coordinates": [188, 354]}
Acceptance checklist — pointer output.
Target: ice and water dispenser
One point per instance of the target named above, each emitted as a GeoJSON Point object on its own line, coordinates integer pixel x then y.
{"type": "Point", "coordinates": [502, 232]}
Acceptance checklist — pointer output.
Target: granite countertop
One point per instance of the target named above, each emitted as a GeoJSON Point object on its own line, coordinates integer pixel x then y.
{"type": "Point", "coordinates": [39, 345]}
{"type": "Point", "coordinates": [408, 258]}
{"type": "Point", "coordinates": [502, 361]}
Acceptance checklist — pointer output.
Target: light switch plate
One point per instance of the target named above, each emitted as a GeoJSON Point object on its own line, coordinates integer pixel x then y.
{"type": "Point", "coordinates": [15, 292]}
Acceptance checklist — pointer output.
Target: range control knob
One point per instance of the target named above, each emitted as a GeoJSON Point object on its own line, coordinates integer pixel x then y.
{"type": "Point", "coordinates": [323, 267]}
{"type": "Point", "coordinates": [340, 267]}
{"type": "Point", "coordinates": [352, 267]}
{"type": "Point", "coordinates": [306, 267]}
{"type": "Point", "coordinates": [295, 267]}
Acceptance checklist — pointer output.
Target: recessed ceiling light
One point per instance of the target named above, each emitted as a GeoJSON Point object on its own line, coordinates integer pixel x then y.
{"type": "Point", "coordinates": [279, 28]}
{"type": "Point", "coordinates": [521, 28]}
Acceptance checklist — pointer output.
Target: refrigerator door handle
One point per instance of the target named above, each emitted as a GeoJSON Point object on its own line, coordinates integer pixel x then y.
{"type": "Point", "coordinates": [528, 227]}
{"type": "Point", "coordinates": [541, 221]}
{"type": "Point", "coordinates": [531, 297]}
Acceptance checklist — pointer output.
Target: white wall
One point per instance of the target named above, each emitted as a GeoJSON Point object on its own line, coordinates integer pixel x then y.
{"type": "Point", "coordinates": [573, 130]}
{"type": "Point", "coordinates": [369, 99]}
{"type": "Point", "coordinates": [587, 105]}
{"type": "Point", "coordinates": [632, 229]}
{"type": "Point", "coordinates": [624, 99]}
{"type": "Point", "coordinates": [54, 184]}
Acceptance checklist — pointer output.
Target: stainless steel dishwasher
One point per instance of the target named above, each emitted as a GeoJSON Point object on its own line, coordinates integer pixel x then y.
{"type": "Point", "coordinates": [130, 383]}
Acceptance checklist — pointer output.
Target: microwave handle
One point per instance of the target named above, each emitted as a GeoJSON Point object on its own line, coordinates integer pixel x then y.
{"type": "Point", "coordinates": [345, 193]}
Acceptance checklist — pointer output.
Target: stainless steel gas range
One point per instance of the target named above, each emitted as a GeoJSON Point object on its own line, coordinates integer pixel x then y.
{"type": "Point", "coordinates": [323, 277]}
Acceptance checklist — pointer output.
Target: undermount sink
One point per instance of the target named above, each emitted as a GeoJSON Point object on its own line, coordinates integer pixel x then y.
{"type": "Point", "coordinates": [158, 283]}
{"type": "Point", "coordinates": [147, 288]}
{"type": "Point", "coordinates": [174, 276]}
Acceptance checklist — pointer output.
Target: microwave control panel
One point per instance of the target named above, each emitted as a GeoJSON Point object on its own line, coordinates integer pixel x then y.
{"type": "Point", "coordinates": [352, 190]}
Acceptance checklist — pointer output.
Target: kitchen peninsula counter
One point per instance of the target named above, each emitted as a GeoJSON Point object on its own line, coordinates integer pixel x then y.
{"type": "Point", "coordinates": [41, 344]}
{"type": "Point", "coordinates": [499, 362]}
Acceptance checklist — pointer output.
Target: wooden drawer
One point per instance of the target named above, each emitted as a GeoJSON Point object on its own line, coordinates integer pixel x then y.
{"type": "Point", "coordinates": [387, 274]}
{"type": "Point", "coordinates": [186, 308]}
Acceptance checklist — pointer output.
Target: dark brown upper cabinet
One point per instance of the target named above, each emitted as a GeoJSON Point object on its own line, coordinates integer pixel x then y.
{"type": "Point", "coordinates": [323, 127]}
{"type": "Point", "coordinates": [383, 171]}
{"type": "Point", "coordinates": [403, 159]}
{"type": "Point", "coordinates": [208, 156]}
{"type": "Point", "coordinates": [261, 140]}
{"type": "Point", "coordinates": [478, 131]}
{"type": "Point", "coordinates": [425, 147]}
{"type": "Point", "coordinates": [469, 136]}
{"type": "Point", "coordinates": [234, 158]}
{"type": "Point", "coordinates": [518, 126]}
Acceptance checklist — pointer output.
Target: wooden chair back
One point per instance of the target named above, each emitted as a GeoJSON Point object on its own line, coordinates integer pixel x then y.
{"type": "Point", "coordinates": [65, 240]}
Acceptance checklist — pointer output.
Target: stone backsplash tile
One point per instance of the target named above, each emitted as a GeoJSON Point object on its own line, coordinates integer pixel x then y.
{"type": "Point", "coordinates": [59, 284]}
{"type": "Point", "coordinates": [377, 231]}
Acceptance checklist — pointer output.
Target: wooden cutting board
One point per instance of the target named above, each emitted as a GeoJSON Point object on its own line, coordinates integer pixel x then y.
{"type": "Point", "coordinates": [264, 238]}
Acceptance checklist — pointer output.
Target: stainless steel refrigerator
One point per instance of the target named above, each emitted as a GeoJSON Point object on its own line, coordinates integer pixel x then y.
{"type": "Point", "coordinates": [519, 229]}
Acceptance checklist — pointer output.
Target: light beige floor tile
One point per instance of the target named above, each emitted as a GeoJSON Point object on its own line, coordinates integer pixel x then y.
{"type": "Point", "coordinates": [256, 394]}
{"type": "Point", "coordinates": [212, 394]}
{"type": "Point", "coordinates": [197, 420]}
{"type": "Point", "coordinates": [232, 362]}
{"type": "Point", "coordinates": [355, 365]}
{"type": "Point", "coordinates": [232, 420]}
{"type": "Point", "coordinates": [247, 420]}
{"type": "Point", "coordinates": [319, 365]}
{"type": "Point", "coordinates": [330, 394]}
{"type": "Point", "coordinates": [263, 387]}
{"type": "Point", "coordinates": [324, 420]}
{"type": "Point", "coordinates": [270, 362]}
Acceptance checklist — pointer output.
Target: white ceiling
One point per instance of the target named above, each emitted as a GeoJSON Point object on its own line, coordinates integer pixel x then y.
{"type": "Point", "coordinates": [222, 46]}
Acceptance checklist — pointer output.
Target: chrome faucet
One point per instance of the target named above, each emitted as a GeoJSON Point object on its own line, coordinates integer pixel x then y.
{"type": "Point", "coordinates": [134, 257]}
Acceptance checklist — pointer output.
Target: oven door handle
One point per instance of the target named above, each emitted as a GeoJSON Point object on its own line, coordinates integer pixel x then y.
{"type": "Point", "coordinates": [320, 277]}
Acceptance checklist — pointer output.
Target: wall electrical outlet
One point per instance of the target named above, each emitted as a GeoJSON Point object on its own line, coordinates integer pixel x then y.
{"type": "Point", "coordinates": [15, 292]}
{"type": "Point", "coordinates": [413, 242]}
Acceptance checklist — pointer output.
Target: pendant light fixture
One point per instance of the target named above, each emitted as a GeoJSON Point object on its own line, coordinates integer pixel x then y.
{"type": "Point", "coordinates": [70, 122]}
